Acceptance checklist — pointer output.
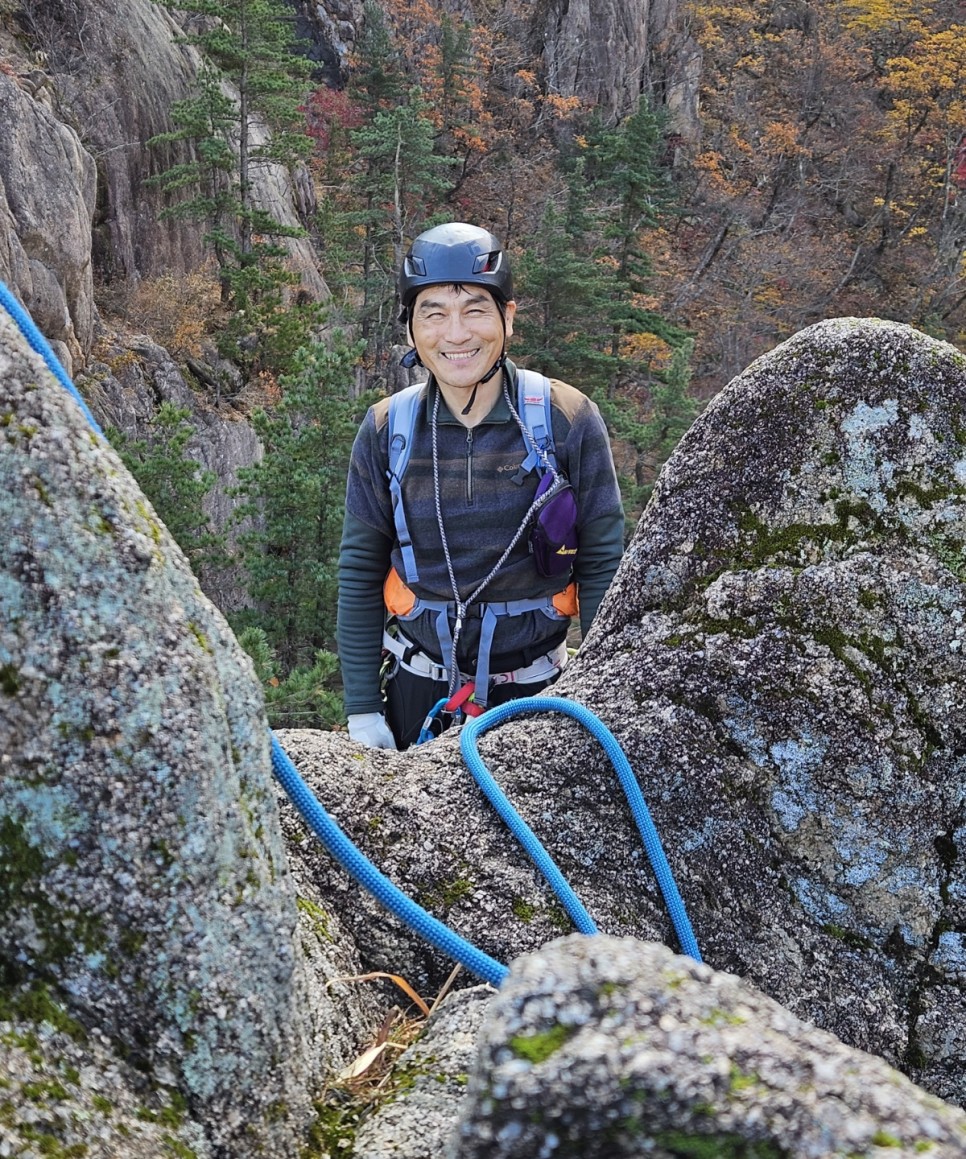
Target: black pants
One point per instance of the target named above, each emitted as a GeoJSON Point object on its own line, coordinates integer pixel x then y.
{"type": "Point", "coordinates": [409, 698]}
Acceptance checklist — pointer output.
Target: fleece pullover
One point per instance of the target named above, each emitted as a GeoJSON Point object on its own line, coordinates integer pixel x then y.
{"type": "Point", "coordinates": [482, 506]}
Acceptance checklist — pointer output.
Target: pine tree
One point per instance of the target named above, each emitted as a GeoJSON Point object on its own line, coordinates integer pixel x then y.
{"type": "Point", "coordinates": [623, 168]}
{"type": "Point", "coordinates": [174, 482]}
{"type": "Point", "coordinates": [294, 498]}
{"type": "Point", "coordinates": [564, 292]}
{"type": "Point", "coordinates": [248, 45]}
{"type": "Point", "coordinates": [394, 179]}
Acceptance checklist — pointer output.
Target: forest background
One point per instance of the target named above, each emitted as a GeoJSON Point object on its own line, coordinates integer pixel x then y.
{"type": "Point", "coordinates": [826, 176]}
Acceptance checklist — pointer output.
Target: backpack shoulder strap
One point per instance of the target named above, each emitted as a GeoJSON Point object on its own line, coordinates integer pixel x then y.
{"type": "Point", "coordinates": [533, 403]}
{"type": "Point", "coordinates": [403, 407]}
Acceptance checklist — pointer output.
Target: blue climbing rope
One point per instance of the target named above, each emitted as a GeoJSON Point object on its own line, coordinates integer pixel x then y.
{"type": "Point", "coordinates": [39, 345]}
{"type": "Point", "coordinates": [523, 833]}
{"type": "Point", "coordinates": [359, 866]}
{"type": "Point", "coordinates": [341, 848]}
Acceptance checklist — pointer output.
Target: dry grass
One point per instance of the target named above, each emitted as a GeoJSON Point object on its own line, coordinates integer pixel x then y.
{"type": "Point", "coordinates": [352, 1095]}
{"type": "Point", "coordinates": [176, 311]}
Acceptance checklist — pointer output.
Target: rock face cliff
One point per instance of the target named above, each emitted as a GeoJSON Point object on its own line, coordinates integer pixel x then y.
{"type": "Point", "coordinates": [144, 884]}
{"type": "Point", "coordinates": [609, 53]}
{"type": "Point", "coordinates": [75, 169]}
{"type": "Point", "coordinates": [780, 657]}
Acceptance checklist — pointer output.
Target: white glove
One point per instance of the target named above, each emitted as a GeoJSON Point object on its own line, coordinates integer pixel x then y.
{"type": "Point", "coordinates": [370, 729]}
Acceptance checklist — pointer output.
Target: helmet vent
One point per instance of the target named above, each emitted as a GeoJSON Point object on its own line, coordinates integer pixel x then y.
{"type": "Point", "coordinates": [488, 263]}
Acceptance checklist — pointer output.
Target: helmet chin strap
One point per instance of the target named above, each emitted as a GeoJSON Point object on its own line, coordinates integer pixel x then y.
{"type": "Point", "coordinates": [498, 365]}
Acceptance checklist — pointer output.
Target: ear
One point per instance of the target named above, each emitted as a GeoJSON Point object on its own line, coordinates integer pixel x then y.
{"type": "Point", "coordinates": [509, 310]}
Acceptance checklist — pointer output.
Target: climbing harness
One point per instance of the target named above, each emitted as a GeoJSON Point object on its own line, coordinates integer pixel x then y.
{"type": "Point", "coordinates": [533, 399]}
{"type": "Point", "coordinates": [539, 672]}
{"type": "Point", "coordinates": [482, 965]}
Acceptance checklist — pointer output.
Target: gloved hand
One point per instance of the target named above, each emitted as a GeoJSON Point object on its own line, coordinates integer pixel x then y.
{"type": "Point", "coordinates": [370, 729]}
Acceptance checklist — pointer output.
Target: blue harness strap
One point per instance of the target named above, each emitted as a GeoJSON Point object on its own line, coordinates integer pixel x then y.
{"type": "Point", "coordinates": [533, 405]}
{"type": "Point", "coordinates": [402, 425]}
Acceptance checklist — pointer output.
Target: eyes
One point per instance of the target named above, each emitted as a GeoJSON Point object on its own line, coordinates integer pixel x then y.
{"type": "Point", "coordinates": [441, 315]}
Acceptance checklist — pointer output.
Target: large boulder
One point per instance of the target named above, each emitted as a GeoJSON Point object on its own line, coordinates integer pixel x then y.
{"type": "Point", "coordinates": [780, 659]}
{"type": "Point", "coordinates": [598, 1048]}
{"type": "Point", "coordinates": [147, 905]}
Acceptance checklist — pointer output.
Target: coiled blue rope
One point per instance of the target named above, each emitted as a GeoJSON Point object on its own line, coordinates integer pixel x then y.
{"type": "Point", "coordinates": [359, 866]}
{"type": "Point", "coordinates": [341, 848]}
{"type": "Point", "coordinates": [523, 833]}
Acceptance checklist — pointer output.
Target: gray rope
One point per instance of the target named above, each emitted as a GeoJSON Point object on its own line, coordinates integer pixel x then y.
{"type": "Point", "coordinates": [463, 605]}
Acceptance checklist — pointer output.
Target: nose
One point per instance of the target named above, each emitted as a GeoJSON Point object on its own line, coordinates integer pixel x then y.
{"type": "Point", "coordinates": [456, 328]}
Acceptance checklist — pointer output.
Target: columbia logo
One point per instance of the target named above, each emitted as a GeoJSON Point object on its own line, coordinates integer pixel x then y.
{"type": "Point", "coordinates": [566, 551]}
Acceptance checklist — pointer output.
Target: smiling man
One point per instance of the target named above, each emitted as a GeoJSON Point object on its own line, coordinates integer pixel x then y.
{"type": "Point", "coordinates": [449, 598]}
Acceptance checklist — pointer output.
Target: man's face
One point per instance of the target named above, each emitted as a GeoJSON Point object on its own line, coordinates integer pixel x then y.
{"type": "Point", "coordinates": [458, 333]}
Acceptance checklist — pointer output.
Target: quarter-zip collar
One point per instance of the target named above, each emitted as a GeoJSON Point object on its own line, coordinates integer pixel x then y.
{"type": "Point", "coordinates": [498, 413]}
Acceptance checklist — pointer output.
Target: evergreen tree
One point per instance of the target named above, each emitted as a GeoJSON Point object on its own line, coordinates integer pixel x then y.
{"type": "Point", "coordinates": [565, 293]}
{"type": "Point", "coordinates": [249, 45]}
{"type": "Point", "coordinates": [294, 497]}
{"type": "Point", "coordinates": [671, 411]}
{"type": "Point", "coordinates": [175, 483]}
{"type": "Point", "coordinates": [394, 178]}
{"type": "Point", "coordinates": [623, 167]}
{"type": "Point", "coordinates": [302, 698]}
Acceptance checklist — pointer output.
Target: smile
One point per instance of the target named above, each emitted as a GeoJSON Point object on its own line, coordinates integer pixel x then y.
{"type": "Point", "coordinates": [460, 355]}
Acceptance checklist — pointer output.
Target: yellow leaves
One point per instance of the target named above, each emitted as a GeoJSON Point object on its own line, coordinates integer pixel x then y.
{"type": "Point", "coordinates": [931, 77]}
{"type": "Point", "coordinates": [647, 349]}
{"type": "Point", "coordinates": [885, 15]}
{"type": "Point", "coordinates": [561, 106]}
{"type": "Point", "coordinates": [780, 139]}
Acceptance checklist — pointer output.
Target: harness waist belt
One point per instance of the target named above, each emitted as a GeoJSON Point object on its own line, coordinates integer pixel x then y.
{"type": "Point", "coordinates": [420, 664]}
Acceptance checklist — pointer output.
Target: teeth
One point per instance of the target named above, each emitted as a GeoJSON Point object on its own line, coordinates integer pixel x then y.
{"type": "Point", "coordinates": [461, 355]}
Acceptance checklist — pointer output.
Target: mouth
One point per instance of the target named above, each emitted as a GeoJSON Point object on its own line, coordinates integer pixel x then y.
{"type": "Point", "coordinates": [460, 355]}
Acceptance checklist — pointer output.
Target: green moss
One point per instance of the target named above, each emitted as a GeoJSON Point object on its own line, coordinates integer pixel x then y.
{"type": "Point", "coordinates": [105, 1106]}
{"type": "Point", "coordinates": [447, 893]}
{"type": "Point", "coordinates": [200, 636]}
{"type": "Point", "coordinates": [35, 1004]}
{"type": "Point", "coordinates": [951, 553]}
{"type": "Point", "coordinates": [332, 1133]}
{"type": "Point", "coordinates": [558, 917]}
{"type": "Point", "coordinates": [538, 1047]}
{"type": "Point", "coordinates": [523, 909]}
{"type": "Point", "coordinates": [719, 1017]}
{"type": "Point", "coordinates": [884, 1139]}
{"type": "Point", "coordinates": [9, 680]}
{"type": "Point", "coordinates": [678, 1143]}
{"type": "Point", "coordinates": [172, 1115]}
{"type": "Point", "coordinates": [739, 1081]}
{"type": "Point", "coordinates": [318, 917]}
{"type": "Point", "coordinates": [175, 1147]}
{"type": "Point", "coordinates": [847, 937]}
{"type": "Point", "coordinates": [42, 493]}
{"type": "Point", "coordinates": [154, 528]}
{"type": "Point", "coordinates": [131, 941]}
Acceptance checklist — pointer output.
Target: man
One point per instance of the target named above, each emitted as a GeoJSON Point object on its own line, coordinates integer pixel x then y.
{"type": "Point", "coordinates": [436, 569]}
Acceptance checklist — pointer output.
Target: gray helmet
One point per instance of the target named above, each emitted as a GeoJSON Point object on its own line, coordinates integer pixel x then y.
{"type": "Point", "coordinates": [455, 253]}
